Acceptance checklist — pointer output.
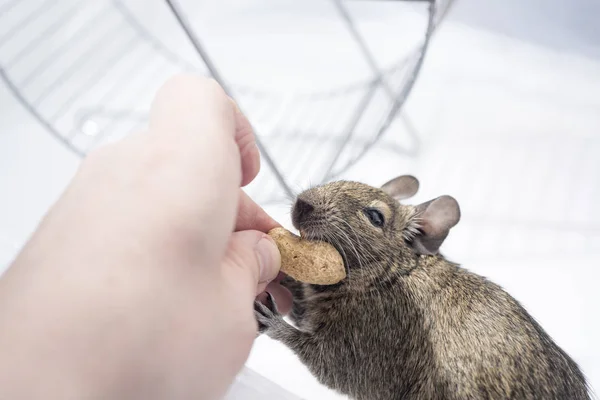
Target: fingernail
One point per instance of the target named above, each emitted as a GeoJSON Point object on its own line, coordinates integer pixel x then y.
{"type": "Point", "coordinates": [269, 259]}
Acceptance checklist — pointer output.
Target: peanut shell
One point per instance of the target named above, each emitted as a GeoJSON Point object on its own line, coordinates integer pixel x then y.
{"type": "Point", "coordinates": [313, 262]}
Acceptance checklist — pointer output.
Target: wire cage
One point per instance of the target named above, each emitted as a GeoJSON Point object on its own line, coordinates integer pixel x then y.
{"type": "Point", "coordinates": [88, 71]}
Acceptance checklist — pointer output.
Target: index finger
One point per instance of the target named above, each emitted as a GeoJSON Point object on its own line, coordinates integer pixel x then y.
{"type": "Point", "coordinates": [246, 141]}
{"type": "Point", "coordinates": [252, 217]}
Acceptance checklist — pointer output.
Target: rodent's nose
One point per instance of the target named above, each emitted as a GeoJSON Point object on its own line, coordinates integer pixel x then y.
{"type": "Point", "coordinates": [302, 209]}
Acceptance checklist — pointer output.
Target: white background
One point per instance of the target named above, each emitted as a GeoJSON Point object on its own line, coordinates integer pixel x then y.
{"type": "Point", "coordinates": [508, 110]}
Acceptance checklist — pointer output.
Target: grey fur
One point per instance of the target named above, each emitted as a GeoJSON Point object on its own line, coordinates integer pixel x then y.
{"type": "Point", "coordinates": [408, 325]}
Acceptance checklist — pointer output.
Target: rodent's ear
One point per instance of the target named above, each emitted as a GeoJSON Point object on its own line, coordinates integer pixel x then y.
{"type": "Point", "coordinates": [435, 219]}
{"type": "Point", "coordinates": [402, 187]}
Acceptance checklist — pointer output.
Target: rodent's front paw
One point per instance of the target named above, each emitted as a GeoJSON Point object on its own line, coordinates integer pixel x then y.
{"type": "Point", "coordinates": [267, 316]}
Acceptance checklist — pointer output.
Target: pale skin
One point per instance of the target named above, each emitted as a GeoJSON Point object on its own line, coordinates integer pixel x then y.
{"type": "Point", "coordinates": [139, 282]}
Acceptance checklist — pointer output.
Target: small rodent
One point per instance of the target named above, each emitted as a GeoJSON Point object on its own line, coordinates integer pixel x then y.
{"type": "Point", "coordinates": [406, 323]}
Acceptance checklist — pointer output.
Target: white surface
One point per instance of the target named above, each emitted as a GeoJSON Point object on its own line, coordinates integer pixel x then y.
{"type": "Point", "coordinates": [251, 386]}
{"type": "Point", "coordinates": [569, 26]}
{"type": "Point", "coordinates": [511, 129]}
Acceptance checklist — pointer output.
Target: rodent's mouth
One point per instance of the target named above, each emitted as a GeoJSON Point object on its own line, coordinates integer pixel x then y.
{"type": "Point", "coordinates": [313, 232]}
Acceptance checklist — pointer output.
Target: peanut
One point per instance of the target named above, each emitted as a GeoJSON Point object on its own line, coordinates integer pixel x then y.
{"type": "Point", "coordinates": [313, 262]}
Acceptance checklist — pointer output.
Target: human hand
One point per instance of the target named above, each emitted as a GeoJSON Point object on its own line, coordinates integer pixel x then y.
{"type": "Point", "coordinates": [139, 283]}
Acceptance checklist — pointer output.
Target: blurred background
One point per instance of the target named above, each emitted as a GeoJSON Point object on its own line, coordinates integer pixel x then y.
{"type": "Point", "coordinates": [494, 102]}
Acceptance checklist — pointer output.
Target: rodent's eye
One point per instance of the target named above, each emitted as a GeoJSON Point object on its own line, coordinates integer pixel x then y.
{"type": "Point", "coordinates": [375, 216]}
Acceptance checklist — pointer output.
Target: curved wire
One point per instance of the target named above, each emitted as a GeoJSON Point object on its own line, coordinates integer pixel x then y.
{"type": "Point", "coordinates": [15, 91]}
{"type": "Point", "coordinates": [402, 96]}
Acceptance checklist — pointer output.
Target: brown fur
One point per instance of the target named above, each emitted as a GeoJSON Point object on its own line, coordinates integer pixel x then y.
{"type": "Point", "coordinates": [407, 325]}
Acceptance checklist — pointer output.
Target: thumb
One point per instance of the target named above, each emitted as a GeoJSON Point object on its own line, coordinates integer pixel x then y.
{"type": "Point", "coordinates": [251, 261]}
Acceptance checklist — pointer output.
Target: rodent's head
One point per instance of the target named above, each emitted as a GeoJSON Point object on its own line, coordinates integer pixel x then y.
{"type": "Point", "coordinates": [369, 226]}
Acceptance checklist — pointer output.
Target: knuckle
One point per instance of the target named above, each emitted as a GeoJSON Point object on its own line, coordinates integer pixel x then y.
{"type": "Point", "coordinates": [195, 85]}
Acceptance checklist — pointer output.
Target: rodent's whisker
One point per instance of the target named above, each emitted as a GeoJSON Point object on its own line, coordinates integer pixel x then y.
{"type": "Point", "coordinates": [335, 242]}
{"type": "Point", "coordinates": [360, 252]}
{"type": "Point", "coordinates": [350, 243]}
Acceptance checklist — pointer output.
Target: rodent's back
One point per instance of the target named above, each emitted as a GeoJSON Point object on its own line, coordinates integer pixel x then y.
{"type": "Point", "coordinates": [484, 342]}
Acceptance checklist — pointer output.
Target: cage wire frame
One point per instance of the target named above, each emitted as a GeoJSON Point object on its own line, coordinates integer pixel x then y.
{"type": "Point", "coordinates": [396, 88]}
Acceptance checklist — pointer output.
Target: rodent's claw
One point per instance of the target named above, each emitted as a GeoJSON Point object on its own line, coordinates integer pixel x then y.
{"type": "Point", "coordinates": [271, 305]}
{"type": "Point", "coordinates": [267, 315]}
